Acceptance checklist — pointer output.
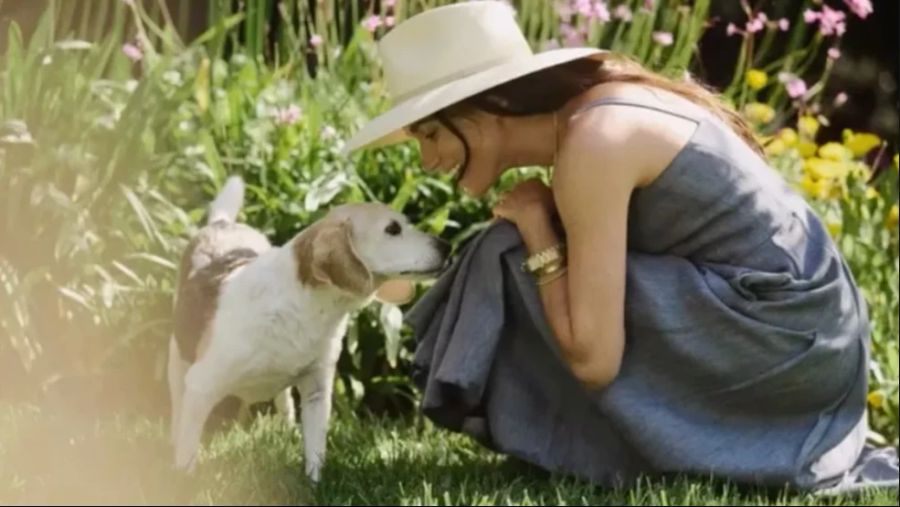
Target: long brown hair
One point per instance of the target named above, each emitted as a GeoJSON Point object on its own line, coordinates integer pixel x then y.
{"type": "Point", "coordinates": [549, 89]}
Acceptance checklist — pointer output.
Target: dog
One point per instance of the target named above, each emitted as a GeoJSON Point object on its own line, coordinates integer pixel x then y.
{"type": "Point", "coordinates": [251, 320]}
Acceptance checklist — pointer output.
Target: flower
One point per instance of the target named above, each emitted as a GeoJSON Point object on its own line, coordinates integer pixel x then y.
{"type": "Point", "coordinates": [755, 25]}
{"type": "Point", "coordinates": [549, 44]}
{"type": "Point", "coordinates": [834, 53]}
{"type": "Point", "coordinates": [759, 113]}
{"type": "Point", "coordinates": [836, 152]}
{"type": "Point", "coordinates": [663, 38]}
{"type": "Point", "coordinates": [788, 136]}
{"type": "Point", "coordinates": [133, 52]}
{"type": "Point", "coordinates": [732, 29]}
{"type": "Point", "coordinates": [756, 79]}
{"type": "Point", "coordinates": [832, 22]}
{"type": "Point", "coordinates": [808, 126]}
{"type": "Point", "coordinates": [389, 20]}
{"type": "Point", "coordinates": [892, 218]}
{"type": "Point", "coordinates": [871, 193]}
{"type": "Point", "coordinates": [623, 12]}
{"type": "Point", "coordinates": [834, 228]}
{"type": "Point", "coordinates": [796, 88]}
{"type": "Point", "coordinates": [875, 399]}
{"type": "Point", "coordinates": [776, 147]}
{"type": "Point", "coordinates": [571, 35]}
{"type": "Point", "coordinates": [840, 99]}
{"type": "Point", "coordinates": [329, 132]}
{"type": "Point", "coordinates": [818, 189]}
{"type": "Point", "coordinates": [648, 4]}
{"type": "Point", "coordinates": [601, 11]}
{"type": "Point", "coordinates": [860, 143]}
{"type": "Point", "coordinates": [372, 23]}
{"type": "Point", "coordinates": [810, 16]}
{"type": "Point", "coordinates": [784, 25]}
{"type": "Point", "coordinates": [315, 41]}
{"type": "Point", "coordinates": [389, 3]}
{"type": "Point", "coordinates": [861, 8]}
{"type": "Point", "coordinates": [806, 148]}
{"type": "Point", "coordinates": [288, 115]}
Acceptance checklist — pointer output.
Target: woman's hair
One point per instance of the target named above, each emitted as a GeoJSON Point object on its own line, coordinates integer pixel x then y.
{"type": "Point", "coordinates": [549, 89]}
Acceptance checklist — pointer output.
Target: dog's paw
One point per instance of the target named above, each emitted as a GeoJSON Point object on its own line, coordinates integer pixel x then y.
{"type": "Point", "coordinates": [314, 472]}
{"type": "Point", "coordinates": [186, 463]}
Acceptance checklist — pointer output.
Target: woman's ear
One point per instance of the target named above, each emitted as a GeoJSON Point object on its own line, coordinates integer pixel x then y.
{"type": "Point", "coordinates": [396, 292]}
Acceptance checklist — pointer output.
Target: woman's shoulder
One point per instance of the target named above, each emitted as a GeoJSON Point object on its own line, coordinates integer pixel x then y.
{"type": "Point", "coordinates": [630, 126]}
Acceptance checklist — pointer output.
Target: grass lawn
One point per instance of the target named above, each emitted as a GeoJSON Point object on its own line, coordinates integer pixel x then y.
{"type": "Point", "coordinates": [73, 459]}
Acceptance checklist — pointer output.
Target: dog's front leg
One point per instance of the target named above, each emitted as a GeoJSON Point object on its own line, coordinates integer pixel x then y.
{"type": "Point", "coordinates": [315, 412]}
{"type": "Point", "coordinates": [202, 392]}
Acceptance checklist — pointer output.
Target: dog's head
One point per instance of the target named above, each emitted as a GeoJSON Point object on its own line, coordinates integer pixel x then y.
{"type": "Point", "coordinates": [360, 248]}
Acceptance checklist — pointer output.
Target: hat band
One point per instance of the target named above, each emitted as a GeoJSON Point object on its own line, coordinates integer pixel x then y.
{"type": "Point", "coordinates": [454, 76]}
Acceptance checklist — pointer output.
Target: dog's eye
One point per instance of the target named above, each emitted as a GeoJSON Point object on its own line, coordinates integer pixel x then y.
{"type": "Point", "coordinates": [393, 228]}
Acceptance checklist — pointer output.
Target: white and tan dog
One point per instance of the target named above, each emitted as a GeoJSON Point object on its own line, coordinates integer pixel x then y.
{"type": "Point", "coordinates": [252, 320]}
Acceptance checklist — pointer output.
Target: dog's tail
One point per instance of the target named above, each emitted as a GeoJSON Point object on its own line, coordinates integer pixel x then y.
{"type": "Point", "coordinates": [227, 204]}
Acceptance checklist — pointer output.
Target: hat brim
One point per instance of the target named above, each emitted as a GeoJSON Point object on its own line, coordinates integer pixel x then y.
{"type": "Point", "coordinates": [387, 128]}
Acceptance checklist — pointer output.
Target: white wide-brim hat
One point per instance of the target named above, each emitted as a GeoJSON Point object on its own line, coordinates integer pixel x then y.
{"type": "Point", "coordinates": [447, 54]}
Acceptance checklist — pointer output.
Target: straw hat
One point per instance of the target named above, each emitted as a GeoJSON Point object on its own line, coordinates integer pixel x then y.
{"type": "Point", "coordinates": [447, 54]}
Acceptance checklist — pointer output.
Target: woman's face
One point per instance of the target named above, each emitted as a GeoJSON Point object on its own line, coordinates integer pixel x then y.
{"type": "Point", "coordinates": [444, 152]}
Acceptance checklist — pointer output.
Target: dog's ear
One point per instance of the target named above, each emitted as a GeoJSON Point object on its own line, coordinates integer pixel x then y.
{"type": "Point", "coordinates": [325, 254]}
{"type": "Point", "coordinates": [396, 291]}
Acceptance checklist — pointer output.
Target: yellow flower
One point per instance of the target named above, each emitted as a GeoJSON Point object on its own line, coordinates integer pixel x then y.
{"type": "Point", "coordinates": [835, 228]}
{"type": "Point", "coordinates": [759, 113]}
{"type": "Point", "coordinates": [808, 126]}
{"type": "Point", "coordinates": [835, 151]}
{"type": "Point", "coordinates": [788, 136]}
{"type": "Point", "coordinates": [756, 79]}
{"type": "Point", "coordinates": [892, 218]}
{"type": "Point", "coordinates": [871, 193]}
{"type": "Point", "coordinates": [875, 399]}
{"type": "Point", "coordinates": [824, 169]}
{"type": "Point", "coordinates": [807, 149]}
{"type": "Point", "coordinates": [818, 189]}
{"type": "Point", "coordinates": [860, 143]}
{"type": "Point", "coordinates": [775, 148]}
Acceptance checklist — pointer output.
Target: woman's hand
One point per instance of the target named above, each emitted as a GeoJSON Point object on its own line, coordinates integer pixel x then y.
{"type": "Point", "coordinates": [529, 200]}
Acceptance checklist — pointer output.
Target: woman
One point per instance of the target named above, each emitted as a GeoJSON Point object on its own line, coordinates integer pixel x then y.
{"type": "Point", "coordinates": [705, 321]}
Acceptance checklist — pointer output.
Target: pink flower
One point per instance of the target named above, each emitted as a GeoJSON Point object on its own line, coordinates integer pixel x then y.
{"type": "Point", "coordinates": [623, 12]}
{"type": "Point", "coordinates": [861, 8]}
{"type": "Point", "coordinates": [834, 53]}
{"type": "Point", "coordinates": [133, 52]}
{"type": "Point", "coordinates": [389, 20]}
{"type": "Point", "coordinates": [571, 36]}
{"type": "Point", "coordinates": [796, 88]}
{"type": "Point", "coordinates": [389, 3]}
{"type": "Point", "coordinates": [584, 8]}
{"type": "Point", "coordinates": [372, 23]}
{"type": "Point", "coordinates": [648, 4]}
{"type": "Point", "coordinates": [549, 45]}
{"type": "Point", "coordinates": [565, 11]}
{"type": "Point", "coordinates": [315, 41]}
{"type": "Point", "coordinates": [755, 25]}
{"type": "Point", "coordinates": [663, 38]}
{"type": "Point", "coordinates": [732, 29]}
{"type": "Point", "coordinates": [784, 25]}
{"type": "Point", "coordinates": [601, 11]}
{"type": "Point", "coordinates": [810, 16]}
{"type": "Point", "coordinates": [288, 115]}
{"type": "Point", "coordinates": [832, 21]}
{"type": "Point", "coordinates": [840, 99]}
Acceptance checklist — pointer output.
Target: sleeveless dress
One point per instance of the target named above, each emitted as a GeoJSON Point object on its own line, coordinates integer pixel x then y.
{"type": "Point", "coordinates": [747, 340]}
